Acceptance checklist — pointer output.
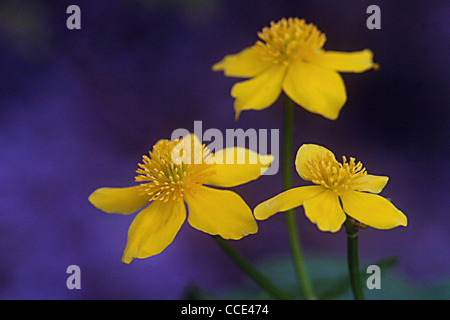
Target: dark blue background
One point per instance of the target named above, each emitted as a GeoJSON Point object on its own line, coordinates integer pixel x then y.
{"type": "Point", "coordinates": [78, 109]}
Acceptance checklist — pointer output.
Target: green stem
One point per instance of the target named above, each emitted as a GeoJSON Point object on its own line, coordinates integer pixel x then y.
{"type": "Point", "coordinates": [251, 271]}
{"type": "Point", "coordinates": [352, 259]}
{"type": "Point", "coordinates": [294, 236]}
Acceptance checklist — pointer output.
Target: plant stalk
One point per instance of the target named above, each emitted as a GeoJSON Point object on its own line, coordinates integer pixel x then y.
{"type": "Point", "coordinates": [251, 271]}
{"type": "Point", "coordinates": [353, 260]}
{"type": "Point", "coordinates": [294, 235]}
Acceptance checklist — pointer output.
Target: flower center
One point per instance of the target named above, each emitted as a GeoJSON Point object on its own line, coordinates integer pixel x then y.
{"type": "Point", "coordinates": [326, 171]}
{"type": "Point", "coordinates": [166, 177]}
{"type": "Point", "coordinates": [289, 39]}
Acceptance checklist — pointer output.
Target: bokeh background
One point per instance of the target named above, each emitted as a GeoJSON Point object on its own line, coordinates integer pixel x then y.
{"type": "Point", "coordinates": [78, 108]}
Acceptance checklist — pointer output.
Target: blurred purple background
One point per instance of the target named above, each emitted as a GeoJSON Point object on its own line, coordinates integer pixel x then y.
{"type": "Point", "coordinates": [78, 108]}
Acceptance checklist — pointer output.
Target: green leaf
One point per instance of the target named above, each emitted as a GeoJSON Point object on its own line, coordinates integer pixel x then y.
{"type": "Point", "coordinates": [330, 280]}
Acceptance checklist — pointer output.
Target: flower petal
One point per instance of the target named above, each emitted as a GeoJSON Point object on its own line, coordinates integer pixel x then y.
{"type": "Point", "coordinates": [220, 212]}
{"type": "Point", "coordinates": [318, 90]}
{"type": "Point", "coordinates": [118, 200]}
{"type": "Point", "coordinates": [235, 166]}
{"type": "Point", "coordinates": [358, 61]}
{"type": "Point", "coordinates": [325, 211]}
{"type": "Point", "coordinates": [260, 92]}
{"type": "Point", "coordinates": [306, 153]}
{"type": "Point", "coordinates": [246, 63]}
{"type": "Point", "coordinates": [370, 183]}
{"type": "Point", "coordinates": [285, 201]}
{"type": "Point", "coordinates": [189, 150]}
{"type": "Point", "coordinates": [153, 229]}
{"type": "Point", "coordinates": [372, 210]}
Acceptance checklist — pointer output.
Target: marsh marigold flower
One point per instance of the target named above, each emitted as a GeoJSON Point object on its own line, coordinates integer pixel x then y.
{"type": "Point", "coordinates": [167, 182]}
{"type": "Point", "coordinates": [289, 57]}
{"type": "Point", "coordinates": [340, 189]}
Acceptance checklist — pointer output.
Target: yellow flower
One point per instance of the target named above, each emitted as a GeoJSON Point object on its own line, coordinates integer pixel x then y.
{"type": "Point", "coordinates": [341, 188]}
{"type": "Point", "coordinates": [168, 181]}
{"type": "Point", "coordinates": [289, 57]}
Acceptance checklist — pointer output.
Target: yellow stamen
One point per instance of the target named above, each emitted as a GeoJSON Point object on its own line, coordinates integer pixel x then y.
{"type": "Point", "coordinates": [166, 180]}
{"type": "Point", "coordinates": [326, 171]}
{"type": "Point", "coordinates": [289, 39]}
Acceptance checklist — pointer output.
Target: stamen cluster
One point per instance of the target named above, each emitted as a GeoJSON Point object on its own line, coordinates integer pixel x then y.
{"type": "Point", "coordinates": [289, 39]}
{"type": "Point", "coordinates": [326, 171]}
{"type": "Point", "coordinates": [166, 178]}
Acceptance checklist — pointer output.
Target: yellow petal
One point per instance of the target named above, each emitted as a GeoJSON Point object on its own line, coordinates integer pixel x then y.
{"type": "Point", "coordinates": [246, 63]}
{"type": "Point", "coordinates": [358, 61]}
{"type": "Point", "coordinates": [118, 200]}
{"type": "Point", "coordinates": [235, 166]}
{"type": "Point", "coordinates": [306, 153]}
{"type": "Point", "coordinates": [285, 201]}
{"type": "Point", "coordinates": [318, 90]}
{"type": "Point", "coordinates": [220, 212]}
{"type": "Point", "coordinates": [325, 211]}
{"type": "Point", "coordinates": [153, 229]}
{"type": "Point", "coordinates": [370, 183]}
{"type": "Point", "coordinates": [372, 210]}
{"type": "Point", "coordinates": [188, 150]}
{"type": "Point", "coordinates": [260, 92]}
